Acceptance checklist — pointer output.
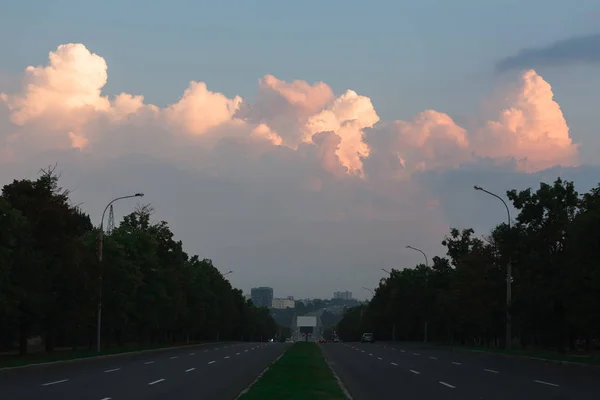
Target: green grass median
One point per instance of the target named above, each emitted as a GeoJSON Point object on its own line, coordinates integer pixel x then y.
{"type": "Point", "coordinates": [301, 373]}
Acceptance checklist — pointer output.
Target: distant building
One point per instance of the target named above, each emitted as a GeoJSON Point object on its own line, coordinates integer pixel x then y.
{"type": "Point", "coordinates": [342, 295]}
{"type": "Point", "coordinates": [262, 296]}
{"type": "Point", "coordinates": [283, 303]}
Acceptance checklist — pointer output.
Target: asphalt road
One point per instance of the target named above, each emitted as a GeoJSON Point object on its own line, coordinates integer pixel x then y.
{"type": "Point", "coordinates": [211, 371]}
{"type": "Point", "coordinates": [407, 371]}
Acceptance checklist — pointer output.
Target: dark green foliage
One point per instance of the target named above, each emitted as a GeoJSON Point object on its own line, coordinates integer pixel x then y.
{"type": "Point", "coordinates": [153, 292]}
{"type": "Point", "coordinates": [554, 246]}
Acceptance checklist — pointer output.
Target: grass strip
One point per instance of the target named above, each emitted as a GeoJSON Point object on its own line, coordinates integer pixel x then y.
{"type": "Point", "coordinates": [301, 373]}
{"type": "Point", "coordinates": [8, 361]}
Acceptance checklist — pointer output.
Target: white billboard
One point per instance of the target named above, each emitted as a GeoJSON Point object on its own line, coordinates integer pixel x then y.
{"type": "Point", "coordinates": [308, 321]}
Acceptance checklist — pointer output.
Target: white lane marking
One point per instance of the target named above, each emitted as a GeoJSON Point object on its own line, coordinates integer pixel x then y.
{"type": "Point", "coordinates": [237, 354]}
{"type": "Point", "coordinates": [245, 351]}
{"type": "Point", "coordinates": [547, 383]}
{"type": "Point", "coordinates": [106, 398]}
{"type": "Point", "coordinates": [490, 370]}
{"type": "Point", "coordinates": [189, 370]}
{"type": "Point", "coordinates": [416, 354]}
{"type": "Point", "coordinates": [172, 358]}
{"type": "Point", "coordinates": [191, 354]}
{"type": "Point", "coordinates": [447, 385]}
{"type": "Point", "coordinates": [414, 372]}
{"type": "Point", "coordinates": [393, 363]}
{"type": "Point", "coordinates": [402, 351]}
{"type": "Point", "coordinates": [149, 362]}
{"type": "Point", "coordinates": [205, 351]}
{"type": "Point", "coordinates": [54, 383]}
{"type": "Point", "coordinates": [211, 362]}
{"type": "Point", "coordinates": [393, 348]}
{"type": "Point", "coordinates": [379, 358]}
{"type": "Point", "coordinates": [456, 363]}
{"type": "Point", "coordinates": [362, 351]}
{"type": "Point", "coordinates": [371, 354]}
{"type": "Point", "coordinates": [226, 357]}
{"type": "Point", "coordinates": [155, 382]}
{"type": "Point", "coordinates": [112, 370]}
{"type": "Point", "coordinates": [433, 358]}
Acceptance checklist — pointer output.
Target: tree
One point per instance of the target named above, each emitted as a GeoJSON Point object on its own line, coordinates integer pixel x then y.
{"type": "Point", "coordinates": [152, 291]}
{"type": "Point", "coordinates": [553, 247]}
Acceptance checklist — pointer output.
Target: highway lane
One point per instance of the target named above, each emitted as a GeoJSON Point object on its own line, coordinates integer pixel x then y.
{"type": "Point", "coordinates": [216, 371]}
{"type": "Point", "coordinates": [472, 375]}
{"type": "Point", "coordinates": [367, 378]}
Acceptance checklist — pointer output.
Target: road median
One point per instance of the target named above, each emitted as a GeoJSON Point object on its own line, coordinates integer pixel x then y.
{"type": "Point", "coordinates": [300, 373]}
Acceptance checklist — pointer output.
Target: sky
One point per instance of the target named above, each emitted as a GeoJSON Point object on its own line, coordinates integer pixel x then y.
{"type": "Point", "coordinates": [302, 145]}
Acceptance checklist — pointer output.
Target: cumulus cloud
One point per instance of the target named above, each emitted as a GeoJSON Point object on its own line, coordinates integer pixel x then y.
{"type": "Point", "coordinates": [297, 156]}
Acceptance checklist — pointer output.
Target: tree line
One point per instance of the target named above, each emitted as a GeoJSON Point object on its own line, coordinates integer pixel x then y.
{"type": "Point", "coordinates": [152, 291]}
{"type": "Point", "coordinates": [553, 245]}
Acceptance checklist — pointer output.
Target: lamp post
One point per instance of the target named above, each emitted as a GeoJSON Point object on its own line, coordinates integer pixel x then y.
{"type": "Point", "coordinates": [508, 272]}
{"type": "Point", "coordinates": [370, 290]}
{"type": "Point", "coordinates": [100, 249]}
{"type": "Point", "coordinates": [427, 265]}
{"type": "Point", "coordinates": [393, 323]}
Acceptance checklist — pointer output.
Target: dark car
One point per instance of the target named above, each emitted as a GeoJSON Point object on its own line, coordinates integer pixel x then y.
{"type": "Point", "coordinates": [367, 338]}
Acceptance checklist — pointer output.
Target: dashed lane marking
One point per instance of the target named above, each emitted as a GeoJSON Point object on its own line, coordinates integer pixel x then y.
{"type": "Point", "coordinates": [112, 370]}
{"type": "Point", "coordinates": [456, 363]}
{"type": "Point", "coordinates": [393, 363]}
{"type": "Point", "coordinates": [211, 362]}
{"type": "Point", "coordinates": [414, 372]}
{"type": "Point", "coordinates": [190, 369]}
{"type": "Point", "coordinates": [55, 382]}
{"type": "Point", "coordinates": [172, 358]}
{"type": "Point", "coordinates": [490, 370]}
{"type": "Point", "coordinates": [447, 385]}
{"type": "Point", "coordinates": [149, 362]}
{"type": "Point", "coordinates": [156, 381]}
{"type": "Point", "coordinates": [547, 383]}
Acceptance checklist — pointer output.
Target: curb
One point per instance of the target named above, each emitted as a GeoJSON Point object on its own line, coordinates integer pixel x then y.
{"type": "Point", "coordinates": [127, 353]}
{"type": "Point", "coordinates": [337, 378]}
{"type": "Point", "coordinates": [243, 392]}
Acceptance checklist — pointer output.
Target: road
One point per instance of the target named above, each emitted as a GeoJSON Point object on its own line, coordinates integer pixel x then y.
{"type": "Point", "coordinates": [408, 371]}
{"type": "Point", "coordinates": [212, 371]}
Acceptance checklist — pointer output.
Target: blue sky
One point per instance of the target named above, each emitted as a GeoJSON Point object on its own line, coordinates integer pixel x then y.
{"type": "Point", "coordinates": [406, 55]}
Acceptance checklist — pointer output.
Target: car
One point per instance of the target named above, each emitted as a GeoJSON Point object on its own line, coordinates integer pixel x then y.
{"type": "Point", "coordinates": [367, 338]}
{"type": "Point", "coordinates": [336, 340]}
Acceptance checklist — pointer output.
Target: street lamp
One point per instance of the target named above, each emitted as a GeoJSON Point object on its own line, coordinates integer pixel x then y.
{"type": "Point", "coordinates": [393, 323]}
{"type": "Point", "coordinates": [227, 273]}
{"type": "Point", "coordinates": [427, 265]}
{"type": "Point", "coordinates": [370, 290]}
{"type": "Point", "coordinates": [508, 272]}
{"type": "Point", "coordinates": [100, 249]}
{"type": "Point", "coordinates": [422, 252]}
